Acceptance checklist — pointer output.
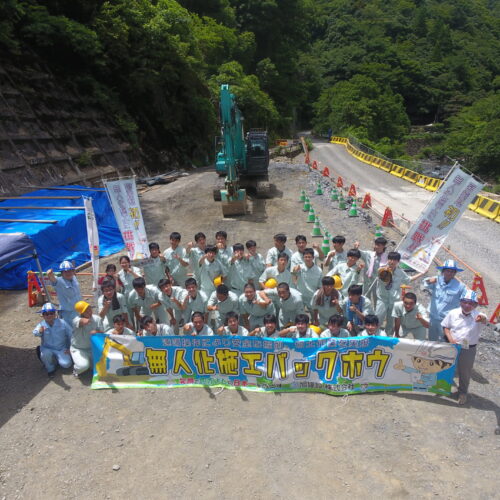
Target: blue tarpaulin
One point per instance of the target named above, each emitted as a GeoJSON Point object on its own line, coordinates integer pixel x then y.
{"type": "Point", "coordinates": [54, 242]}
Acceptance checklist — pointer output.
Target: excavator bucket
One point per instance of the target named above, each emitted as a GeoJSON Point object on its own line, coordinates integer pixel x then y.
{"type": "Point", "coordinates": [234, 205]}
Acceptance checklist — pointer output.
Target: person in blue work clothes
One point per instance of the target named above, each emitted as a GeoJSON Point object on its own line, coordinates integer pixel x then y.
{"type": "Point", "coordinates": [55, 337]}
{"type": "Point", "coordinates": [67, 290]}
{"type": "Point", "coordinates": [445, 291]}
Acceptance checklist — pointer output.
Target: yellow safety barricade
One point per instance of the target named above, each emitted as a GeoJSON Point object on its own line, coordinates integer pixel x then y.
{"type": "Point", "coordinates": [422, 181]}
{"type": "Point", "coordinates": [474, 203]}
{"type": "Point", "coordinates": [410, 175]}
{"type": "Point", "coordinates": [487, 207]}
{"type": "Point", "coordinates": [386, 165]}
{"type": "Point", "coordinates": [433, 184]}
{"type": "Point", "coordinates": [397, 170]}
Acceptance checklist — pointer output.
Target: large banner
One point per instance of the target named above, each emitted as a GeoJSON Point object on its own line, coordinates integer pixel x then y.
{"type": "Point", "coordinates": [125, 204]}
{"type": "Point", "coordinates": [93, 240]}
{"type": "Point", "coordinates": [334, 366]}
{"type": "Point", "coordinates": [422, 242]}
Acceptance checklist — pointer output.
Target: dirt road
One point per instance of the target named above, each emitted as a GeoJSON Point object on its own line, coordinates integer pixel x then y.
{"type": "Point", "coordinates": [59, 439]}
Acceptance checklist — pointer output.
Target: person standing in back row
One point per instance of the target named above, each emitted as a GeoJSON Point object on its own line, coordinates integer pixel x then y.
{"type": "Point", "coordinates": [445, 291]}
{"type": "Point", "coordinates": [67, 290]}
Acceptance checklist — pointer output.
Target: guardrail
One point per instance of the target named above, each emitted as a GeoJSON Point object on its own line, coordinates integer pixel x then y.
{"type": "Point", "coordinates": [482, 205]}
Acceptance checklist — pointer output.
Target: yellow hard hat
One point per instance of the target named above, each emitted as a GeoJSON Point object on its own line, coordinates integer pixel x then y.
{"type": "Point", "coordinates": [315, 328]}
{"type": "Point", "coordinates": [218, 280]}
{"type": "Point", "coordinates": [271, 283]}
{"type": "Point", "coordinates": [81, 306]}
{"type": "Point", "coordinates": [337, 282]}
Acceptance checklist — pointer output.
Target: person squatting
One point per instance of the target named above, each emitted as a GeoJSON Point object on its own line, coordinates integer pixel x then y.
{"type": "Point", "coordinates": [207, 289]}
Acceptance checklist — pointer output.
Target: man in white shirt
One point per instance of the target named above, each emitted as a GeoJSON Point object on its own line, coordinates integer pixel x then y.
{"type": "Point", "coordinates": [463, 326]}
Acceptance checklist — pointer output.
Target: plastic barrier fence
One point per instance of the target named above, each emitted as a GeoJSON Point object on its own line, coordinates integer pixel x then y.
{"type": "Point", "coordinates": [487, 207]}
{"type": "Point", "coordinates": [482, 205]}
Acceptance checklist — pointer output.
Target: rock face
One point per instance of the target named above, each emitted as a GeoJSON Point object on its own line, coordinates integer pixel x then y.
{"type": "Point", "coordinates": [50, 136]}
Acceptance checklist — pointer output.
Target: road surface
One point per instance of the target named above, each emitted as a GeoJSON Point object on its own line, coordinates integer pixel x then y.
{"type": "Point", "coordinates": [474, 239]}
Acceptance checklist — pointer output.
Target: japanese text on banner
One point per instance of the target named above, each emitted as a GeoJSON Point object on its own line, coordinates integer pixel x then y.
{"type": "Point", "coordinates": [125, 204]}
{"type": "Point", "coordinates": [424, 239]}
{"type": "Point", "coordinates": [333, 366]}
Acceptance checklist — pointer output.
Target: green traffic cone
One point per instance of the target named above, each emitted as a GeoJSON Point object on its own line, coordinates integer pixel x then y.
{"type": "Point", "coordinates": [378, 231]}
{"type": "Point", "coordinates": [335, 194]}
{"type": "Point", "coordinates": [341, 202]}
{"type": "Point", "coordinates": [326, 243]}
{"type": "Point", "coordinates": [318, 189]}
{"type": "Point", "coordinates": [307, 205]}
{"type": "Point", "coordinates": [302, 196]}
{"type": "Point", "coordinates": [311, 216]}
{"type": "Point", "coordinates": [316, 232]}
{"type": "Point", "coordinates": [353, 211]}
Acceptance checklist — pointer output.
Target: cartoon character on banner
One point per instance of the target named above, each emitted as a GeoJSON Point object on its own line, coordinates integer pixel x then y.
{"type": "Point", "coordinates": [428, 360]}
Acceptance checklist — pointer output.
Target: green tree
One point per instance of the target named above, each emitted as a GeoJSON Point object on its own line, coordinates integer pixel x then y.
{"type": "Point", "coordinates": [474, 135]}
{"type": "Point", "coordinates": [363, 108]}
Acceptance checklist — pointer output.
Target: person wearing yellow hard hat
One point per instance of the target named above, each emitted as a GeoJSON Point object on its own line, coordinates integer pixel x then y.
{"type": "Point", "coordinates": [85, 325]}
{"type": "Point", "coordinates": [210, 268]}
{"type": "Point", "coordinates": [279, 272]}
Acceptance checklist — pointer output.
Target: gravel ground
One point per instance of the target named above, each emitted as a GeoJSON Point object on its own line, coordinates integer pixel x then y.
{"type": "Point", "coordinates": [61, 440]}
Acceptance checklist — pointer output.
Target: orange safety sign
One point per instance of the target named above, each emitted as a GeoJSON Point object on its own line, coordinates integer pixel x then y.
{"type": "Point", "coordinates": [340, 183]}
{"type": "Point", "coordinates": [478, 287]}
{"type": "Point", "coordinates": [33, 289]}
{"type": "Point", "coordinates": [326, 172]}
{"type": "Point", "coordinates": [315, 165]}
{"type": "Point", "coordinates": [496, 316]}
{"type": "Point", "coordinates": [352, 191]}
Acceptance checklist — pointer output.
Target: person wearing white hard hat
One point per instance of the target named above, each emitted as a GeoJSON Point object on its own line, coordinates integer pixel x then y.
{"type": "Point", "coordinates": [85, 325]}
{"type": "Point", "coordinates": [446, 291]}
{"type": "Point", "coordinates": [67, 290]}
{"type": "Point", "coordinates": [428, 359]}
{"type": "Point", "coordinates": [55, 336]}
{"type": "Point", "coordinates": [463, 326]}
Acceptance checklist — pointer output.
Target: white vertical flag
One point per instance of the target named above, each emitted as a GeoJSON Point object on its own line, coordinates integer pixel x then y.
{"type": "Point", "coordinates": [93, 239]}
{"type": "Point", "coordinates": [125, 204]}
{"type": "Point", "coordinates": [422, 242]}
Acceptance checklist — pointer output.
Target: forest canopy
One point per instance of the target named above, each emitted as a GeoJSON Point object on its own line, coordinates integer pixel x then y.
{"type": "Point", "coordinates": [377, 70]}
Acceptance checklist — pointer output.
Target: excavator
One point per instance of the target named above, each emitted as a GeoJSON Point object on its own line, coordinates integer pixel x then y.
{"type": "Point", "coordinates": [134, 361]}
{"type": "Point", "coordinates": [242, 161]}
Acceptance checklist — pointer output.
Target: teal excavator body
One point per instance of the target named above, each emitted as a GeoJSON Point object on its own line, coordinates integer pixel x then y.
{"type": "Point", "coordinates": [242, 160]}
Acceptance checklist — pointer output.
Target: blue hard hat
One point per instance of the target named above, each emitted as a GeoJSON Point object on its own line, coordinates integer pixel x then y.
{"type": "Point", "coordinates": [450, 264]}
{"type": "Point", "coordinates": [48, 307]}
{"type": "Point", "coordinates": [469, 295]}
{"type": "Point", "coordinates": [66, 265]}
